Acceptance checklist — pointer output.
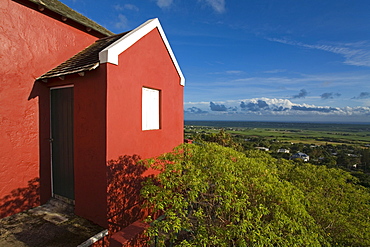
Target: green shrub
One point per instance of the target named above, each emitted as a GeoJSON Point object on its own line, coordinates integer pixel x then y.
{"type": "Point", "coordinates": [215, 196]}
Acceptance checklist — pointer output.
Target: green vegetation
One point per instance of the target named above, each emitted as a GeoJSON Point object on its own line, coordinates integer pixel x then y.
{"type": "Point", "coordinates": [343, 146]}
{"type": "Point", "coordinates": [319, 134]}
{"type": "Point", "coordinates": [212, 195]}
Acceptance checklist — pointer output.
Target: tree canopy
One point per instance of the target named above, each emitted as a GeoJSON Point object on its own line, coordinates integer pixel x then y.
{"type": "Point", "coordinates": [210, 195]}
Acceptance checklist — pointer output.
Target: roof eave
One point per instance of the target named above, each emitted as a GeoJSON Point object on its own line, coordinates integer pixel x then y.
{"type": "Point", "coordinates": [71, 72]}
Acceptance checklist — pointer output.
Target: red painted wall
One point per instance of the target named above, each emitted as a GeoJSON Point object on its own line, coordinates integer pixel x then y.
{"type": "Point", "coordinates": [108, 125]}
{"type": "Point", "coordinates": [145, 64]}
{"type": "Point", "coordinates": [90, 146]}
{"type": "Point", "coordinates": [31, 43]}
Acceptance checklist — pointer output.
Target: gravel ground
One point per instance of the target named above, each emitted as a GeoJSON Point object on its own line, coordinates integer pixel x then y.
{"type": "Point", "coordinates": [52, 224]}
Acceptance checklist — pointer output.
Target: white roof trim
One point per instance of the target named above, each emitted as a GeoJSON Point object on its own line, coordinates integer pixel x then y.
{"type": "Point", "coordinates": [110, 53]}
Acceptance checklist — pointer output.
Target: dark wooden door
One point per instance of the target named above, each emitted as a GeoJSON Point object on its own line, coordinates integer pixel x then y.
{"type": "Point", "coordinates": [62, 141]}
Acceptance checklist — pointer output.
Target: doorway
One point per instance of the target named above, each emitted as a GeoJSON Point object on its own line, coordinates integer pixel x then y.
{"type": "Point", "coordinates": [62, 142]}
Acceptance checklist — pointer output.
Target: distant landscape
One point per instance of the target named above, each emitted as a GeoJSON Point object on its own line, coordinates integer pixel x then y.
{"type": "Point", "coordinates": [314, 133]}
{"type": "Point", "coordinates": [263, 184]}
{"type": "Point", "coordinates": [345, 146]}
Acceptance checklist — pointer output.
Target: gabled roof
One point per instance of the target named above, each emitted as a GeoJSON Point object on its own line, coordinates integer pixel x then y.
{"type": "Point", "coordinates": [65, 11]}
{"type": "Point", "coordinates": [110, 54]}
{"type": "Point", "coordinates": [107, 50]}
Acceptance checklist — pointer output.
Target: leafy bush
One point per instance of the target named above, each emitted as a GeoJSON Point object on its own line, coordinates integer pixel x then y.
{"type": "Point", "coordinates": [222, 138]}
{"type": "Point", "coordinates": [215, 196]}
{"type": "Point", "coordinates": [339, 206]}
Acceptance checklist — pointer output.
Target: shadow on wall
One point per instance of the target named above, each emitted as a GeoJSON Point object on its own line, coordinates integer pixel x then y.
{"type": "Point", "coordinates": [21, 199]}
{"type": "Point", "coordinates": [125, 177]}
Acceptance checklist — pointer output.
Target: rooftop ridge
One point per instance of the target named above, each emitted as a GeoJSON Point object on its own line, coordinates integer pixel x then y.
{"type": "Point", "coordinates": [65, 11]}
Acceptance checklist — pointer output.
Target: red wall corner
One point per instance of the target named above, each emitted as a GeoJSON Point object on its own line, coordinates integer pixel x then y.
{"type": "Point", "coordinates": [133, 235]}
{"type": "Point", "coordinates": [145, 64]}
{"type": "Point", "coordinates": [90, 146]}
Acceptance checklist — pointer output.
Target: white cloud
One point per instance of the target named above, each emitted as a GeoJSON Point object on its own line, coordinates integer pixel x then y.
{"type": "Point", "coordinates": [227, 72]}
{"type": "Point", "coordinates": [164, 3]}
{"type": "Point", "coordinates": [122, 22]}
{"type": "Point", "coordinates": [357, 54]}
{"type": "Point", "coordinates": [127, 6]}
{"type": "Point", "coordinates": [131, 7]}
{"type": "Point", "coordinates": [277, 107]}
{"type": "Point", "coordinates": [217, 5]}
{"type": "Point", "coordinates": [275, 71]}
{"type": "Point", "coordinates": [118, 7]}
{"type": "Point", "coordinates": [234, 72]}
{"type": "Point", "coordinates": [201, 104]}
{"type": "Point", "coordinates": [322, 79]}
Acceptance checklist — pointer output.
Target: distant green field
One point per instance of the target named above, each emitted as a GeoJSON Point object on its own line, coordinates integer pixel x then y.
{"type": "Point", "coordinates": [313, 133]}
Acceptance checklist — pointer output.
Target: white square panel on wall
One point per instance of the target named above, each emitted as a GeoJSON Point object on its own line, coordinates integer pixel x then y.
{"type": "Point", "coordinates": [150, 109]}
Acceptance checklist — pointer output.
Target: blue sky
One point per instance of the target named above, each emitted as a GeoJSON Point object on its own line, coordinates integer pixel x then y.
{"type": "Point", "coordinates": [260, 60]}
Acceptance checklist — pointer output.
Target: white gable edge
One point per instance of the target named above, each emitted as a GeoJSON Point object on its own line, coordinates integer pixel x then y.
{"type": "Point", "coordinates": [110, 54]}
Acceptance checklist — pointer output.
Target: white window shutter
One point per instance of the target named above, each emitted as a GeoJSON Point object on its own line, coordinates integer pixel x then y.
{"type": "Point", "coordinates": [150, 109]}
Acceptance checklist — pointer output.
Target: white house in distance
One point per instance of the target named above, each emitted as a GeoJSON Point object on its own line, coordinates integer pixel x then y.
{"type": "Point", "coordinates": [283, 150]}
{"type": "Point", "coordinates": [262, 148]}
{"type": "Point", "coordinates": [301, 156]}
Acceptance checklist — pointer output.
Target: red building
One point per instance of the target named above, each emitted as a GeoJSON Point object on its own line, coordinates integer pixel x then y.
{"type": "Point", "coordinates": [74, 97]}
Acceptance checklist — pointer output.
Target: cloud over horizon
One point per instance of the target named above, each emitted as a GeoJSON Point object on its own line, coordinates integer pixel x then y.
{"type": "Point", "coordinates": [253, 106]}
{"type": "Point", "coordinates": [271, 107]}
{"type": "Point", "coordinates": [329, 95]}
{"type": "Point", "coordinates": [217, 107]}
{"type": "Point", "coordinates": [363, 95]}
{"type": "Point", "coordinates": [302, 94]}
{"type": "Point", "coordinates": [195, 110]}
